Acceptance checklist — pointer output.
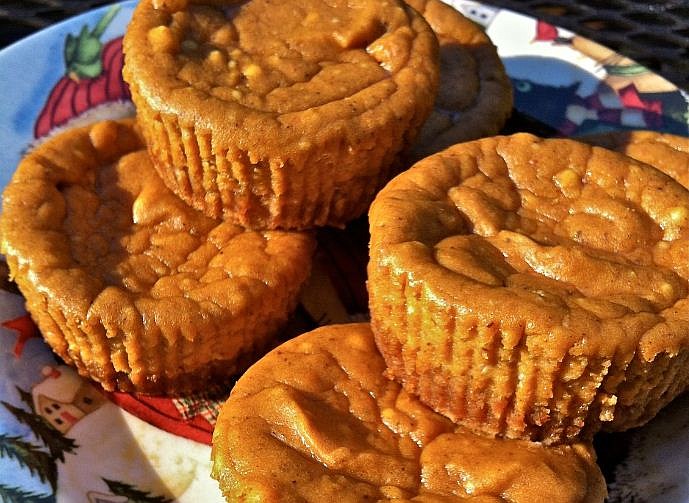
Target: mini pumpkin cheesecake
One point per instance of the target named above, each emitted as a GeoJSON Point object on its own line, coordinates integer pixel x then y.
{"type": "Point", "coordinates": [279, 115]}
{"type": "Point", "coordinates": [316, 421]}
{"type": "Point", "coordinates": [533, 288]}
{"type": "Point", "coordinates": [130, 285]}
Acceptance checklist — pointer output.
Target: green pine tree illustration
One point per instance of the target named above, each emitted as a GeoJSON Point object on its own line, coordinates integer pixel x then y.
{"type": "Point", "coordinates": [54, 440]}
{"type": "Point", "coordinates": [132, 494]}
{"type": "Point", "coordinates": [26, 397]}
{"type": "Point", "coordinates": [29, 456]}
{"type": "Point", "coordinates": [32, 457]}
{"type": "Point", "coordinates": [16, 495]}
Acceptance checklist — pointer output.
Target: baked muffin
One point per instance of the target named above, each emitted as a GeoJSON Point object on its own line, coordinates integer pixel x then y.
{"type": "Point", "coordinates": [667, 152]}
{"type": "Point", "coordinates": [475, 95]}
{"type": "Point", "coordinates": [279, 115]}
{"type": "Point", "coordinates": [316, 421]}
{"type": "Point", "coordinates": [130, 285]}
{"type": "Point", "coordinates": [533, 288]}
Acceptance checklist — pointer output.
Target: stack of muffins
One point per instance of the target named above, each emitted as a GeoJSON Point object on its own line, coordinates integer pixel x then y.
{"type": "Point", "coordinates": [162, 255]}
{"type": "Point", "coordinates": [513, 322]}
{"type": "Point", "coordinates": [524, 293]}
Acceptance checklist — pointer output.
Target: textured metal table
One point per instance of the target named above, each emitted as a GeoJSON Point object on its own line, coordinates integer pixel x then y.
{"type": "Point", "coordinates": [655, 33]}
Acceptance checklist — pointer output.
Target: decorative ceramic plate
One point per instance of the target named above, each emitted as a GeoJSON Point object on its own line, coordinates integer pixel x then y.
{"type": "Point", "coordinates": [64, 439]}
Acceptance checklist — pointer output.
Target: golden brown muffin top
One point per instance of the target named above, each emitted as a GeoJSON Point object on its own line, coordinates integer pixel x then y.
{"type": "Point", "coordinates": [316, 421]}
{"type": "Point", "coordinates": [284, 70]}
{"type": "Point", "coordinates": [580, 249]}
{"type": "Point", "coordinates": [475, 95]}
{"type": "Point", "coordinates": [667, 152]}
{"type": "Point", "coordinates": [91, 225]}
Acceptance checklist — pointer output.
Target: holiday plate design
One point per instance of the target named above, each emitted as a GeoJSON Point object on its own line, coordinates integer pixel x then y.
{"type": "Point", "coordinates": [64, 439]}
{"type": "Point", "coordinates": [575, 85]}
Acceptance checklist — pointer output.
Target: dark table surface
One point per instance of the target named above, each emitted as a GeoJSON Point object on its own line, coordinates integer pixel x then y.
{"type": "Point", "coordinates": [654, 33]}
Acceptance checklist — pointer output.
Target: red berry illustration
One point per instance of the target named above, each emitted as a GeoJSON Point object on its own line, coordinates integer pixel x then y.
{"type": "Point", "coordinates": [93, 76]}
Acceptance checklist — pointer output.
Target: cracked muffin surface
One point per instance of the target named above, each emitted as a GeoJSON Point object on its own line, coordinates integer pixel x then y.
{"type": "Point", "coordinates": [533, 288]}
{"type": "Point", "coordinates": [316, 420]}
{"type": "Point", "coordinates": [126, 282]}
{"type": "Point", "coordinates": [667, 152]}
{"type": "Point", "coordinates": [263, 111]}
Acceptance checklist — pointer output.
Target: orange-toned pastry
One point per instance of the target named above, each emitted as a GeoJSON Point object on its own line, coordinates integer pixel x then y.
{"type": "Point", "coordinates": [475, 95]}
{"type": "Point", "coordinates": [316, 421]}
{"type": "Point", "coordinates": [667, 152]}
{"type": "Point", "coordinates": [279, 115]}
{"type": "Point", "coordinates": [126, 282]}
{"type": "Point", "coordinates": [533, 288]}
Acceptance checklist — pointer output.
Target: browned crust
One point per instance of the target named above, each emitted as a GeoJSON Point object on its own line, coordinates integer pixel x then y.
{"type": "Point", "coordinates": [667, 152]}
{"type": "Point", "coordinates": [194, 300]}
{"type": "Point", "coordinates": [467, 325]}
{"type": "Point", "coordinates": [316, 421]}
{"type": "Point", "coordinates": [253, 166]}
